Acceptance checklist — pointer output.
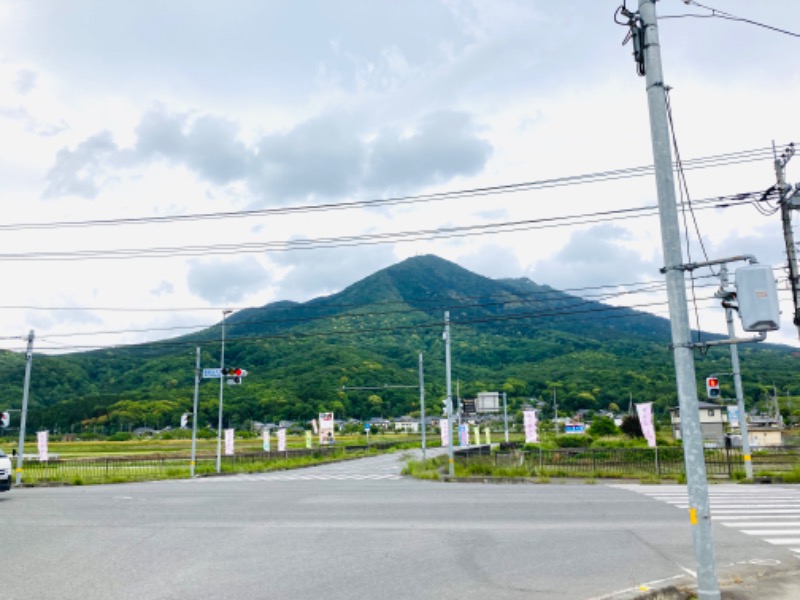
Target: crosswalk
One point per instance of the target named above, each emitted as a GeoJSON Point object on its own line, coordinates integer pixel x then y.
{"type": "Point", "coordinates": [771, 513]}
{"type": "Point", "coordinates": [385, 467]}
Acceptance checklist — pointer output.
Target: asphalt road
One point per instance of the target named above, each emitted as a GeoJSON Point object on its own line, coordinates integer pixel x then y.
{"type": "Point", "coordinates": [348, 531]}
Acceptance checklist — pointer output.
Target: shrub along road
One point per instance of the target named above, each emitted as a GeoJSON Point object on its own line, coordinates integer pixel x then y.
{"type": "Point", "coordinates": [339, 537]}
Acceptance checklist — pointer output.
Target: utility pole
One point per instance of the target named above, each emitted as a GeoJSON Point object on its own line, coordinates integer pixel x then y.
{"type": "Point", "coordinates": [225, 313]}
{"type": "Point", "coordinates": [422, 404]}
{"type": "Point", "coordinates": [555, 410]}
{"type": "Point", "coordinates": [194, 413]}
{"type": "Point", "coordinates": [24, 415]}
{"type": "Point", "coordinates": [737, 378]}
{"type": "Point", "coordinates": [694, 456]}
{"type": "Point", "coordinates": [505, 416]}
{"type": "Point", "coordinates": [788, 203]}
{"type": "Point", "coordinates": [449, 401]}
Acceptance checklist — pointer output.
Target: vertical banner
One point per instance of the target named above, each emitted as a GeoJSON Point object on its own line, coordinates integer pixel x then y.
{"type": "Point", "coordinates": [314, 426]}
{"type": "Point", "coordinates": [645, 412]}
{"type": "Point", "coordinates": [443, 427]}
{"type": "Point", "coordinates": [308, 439]}
{"type": "Point", "coordinates": [487, 435]}
{"type": "Point", "coordinates": [41, 439]}
{"type": "Point", "coordinates": [531, 427]}
{"type": "Point", "coordinates": [477, 434]}
{"type": "Point", "coordinates": [229, 442]}
{"type": "Point", "coordinates": [281, 440]}
{"type": "Point", "coordinates": [266, 441]}
{"type": "Point", "coordinates": [185, 420]}
{"type": "Point", "coordinates": [733, 416]}
{"type": "Point", "coordinates": [326, 429]}
{"type": "Point", "coordinates": [463, 435]}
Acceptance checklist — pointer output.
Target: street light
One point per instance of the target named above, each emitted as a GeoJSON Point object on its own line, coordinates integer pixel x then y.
{"type": "Point", "coordinates": [225, 313]}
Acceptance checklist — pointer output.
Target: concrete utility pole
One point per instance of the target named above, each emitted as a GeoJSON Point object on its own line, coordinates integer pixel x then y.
{"type": "Point", "coordinates": [694, 456]}
{"type": "Point", "coordinates": [194, 414]}
{"type": "Point", "coordinates": [787, 202]}
{"type": "Point", "coordinates": [737, 380]}
{"type": "Point", "coordinates": [505, 416]}
{"type": "Point", "coordinates": [422, 404]}
{"type": "Point", "coordinates": [24, 415]}
{"type": "Point", "coordinates": [449, 401]}
{"type": "Point", "coordinates": [225, 313]}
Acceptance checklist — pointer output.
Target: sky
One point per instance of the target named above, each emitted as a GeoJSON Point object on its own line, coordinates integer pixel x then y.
{"type": "Point", "coordinates": [159, 159]}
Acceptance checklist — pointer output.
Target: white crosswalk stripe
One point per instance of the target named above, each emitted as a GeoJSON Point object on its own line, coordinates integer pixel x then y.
{"type": "Point", "coordinates": [771, 513]}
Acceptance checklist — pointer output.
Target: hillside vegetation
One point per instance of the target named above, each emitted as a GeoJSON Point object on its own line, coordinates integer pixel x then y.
{"type": "Point", "coordinates": [516, 336]}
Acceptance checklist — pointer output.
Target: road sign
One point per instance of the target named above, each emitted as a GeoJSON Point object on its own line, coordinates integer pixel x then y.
{"type": "Point", "coordinates": [212, 373]}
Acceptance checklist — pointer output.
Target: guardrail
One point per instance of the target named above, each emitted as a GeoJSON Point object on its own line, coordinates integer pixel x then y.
{"type": "Point", "coordinates": [79, 471]}
{"type": "Point", "coordinates": [724, 463]}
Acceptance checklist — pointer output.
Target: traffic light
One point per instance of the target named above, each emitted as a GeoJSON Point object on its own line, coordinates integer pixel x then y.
{"type": "Point", "coordinates": [712, 387]}
{"type": "Point", "coordinates": [234, 375]}
{"type": "Point", "coordinates": [5, 419]}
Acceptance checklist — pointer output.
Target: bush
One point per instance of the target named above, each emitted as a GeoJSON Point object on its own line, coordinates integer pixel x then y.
{"type": "Point", "coordinates": [603, 426]}
{"type": "Point", "coordinates": [120, 436]}
{"type": "Point", "coordinates": [573, 441]}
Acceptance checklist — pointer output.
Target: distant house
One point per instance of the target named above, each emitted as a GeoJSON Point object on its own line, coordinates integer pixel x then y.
{"type": "Point", "coordinates": [764, 431]}
{"type": "Point", "coordinates": [379, 422]}
{"type": "Point", "coordinates": [713, 418]}
{"type": "Point", "coordinates": [407, 424]}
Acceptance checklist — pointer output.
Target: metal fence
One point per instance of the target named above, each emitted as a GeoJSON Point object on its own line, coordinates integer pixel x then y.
{"type": "Point", "coordinates": [724, 463]}
{"type": "Point", "coordinates": [78, 471]}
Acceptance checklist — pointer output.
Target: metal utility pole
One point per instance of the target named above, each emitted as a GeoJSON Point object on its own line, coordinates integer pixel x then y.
{"type": "Point", "coordinates": [505, 416]}
{"type": "Point", "coordinates": [24, 415]}
{"type": "Point", "coordinates": [225, 313]}
{"type": "Point", "coordinates": [194, 414]}
{"type": "Point", "coordinates": [422, 404]}
{"type": "Point", "coordinates": [787, 202]}
{"type": "Point", "coordinates": [449, 400]}
{"type": "Point", "coordinates": [683, 352]}
{"type": "Point", "coordinates": [737, 379]}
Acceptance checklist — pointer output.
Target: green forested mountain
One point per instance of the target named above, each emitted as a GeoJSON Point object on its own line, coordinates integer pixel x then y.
{"type": "Point", "coordinates": [508, 335]}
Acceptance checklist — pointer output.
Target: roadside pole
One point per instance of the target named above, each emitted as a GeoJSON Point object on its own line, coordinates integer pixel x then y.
{"type": "Point", "coordinates": [422, 404]}
{"type": "Point", "coordinates": [225, 313]}
{"type": "Point", "coordinates": [449, 401]}
{"type": "Point", "coordinates": [24, 415]}
{"type": "Point", "coordinates": [505, 416]}
{"type": "Point", "coordinates": [194, 414]}
{"type": "Point", "coordinates": [694, 456]}
{"type": "Point", "coordinates": [737, 381]}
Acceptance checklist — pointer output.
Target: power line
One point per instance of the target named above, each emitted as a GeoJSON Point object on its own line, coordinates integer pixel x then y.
{"type": "Point", "coordinates": [371, 238]}
{"type": "Point", "coordinates": [717, 160]}
{"type": "Point", "coordinates": [719, 14]}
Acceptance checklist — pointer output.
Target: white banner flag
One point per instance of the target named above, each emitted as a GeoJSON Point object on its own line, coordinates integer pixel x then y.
{"type": "Point", "coordinates": [531, 427]}
{"type": "Point", "coordinates": [733, 416]}
{"type": "Point", "coordinates": [477, 435]}
{"type": "Point", "coordinates": [229, 442]}
{"type": "Point", "coordinates": [41, 439]}
{"type": "Point", "coordinates": [326, 428]}
{"type": "Point", "coordinates": [645, 412]}
{"type": "Point", "coordinates": [266, 441]}
{"type": "Point", "coordinates": [463, 435]}
{"type": "Point", "coordinates": [443, 426]}
{"type": "Point", "coordinates": [487, 435]}
{"type": "Point", "coordinates": [281, 440]}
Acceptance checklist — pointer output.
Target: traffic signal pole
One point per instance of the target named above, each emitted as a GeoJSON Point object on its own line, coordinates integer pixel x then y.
{"type": "Point", "coordinates": [225, 313]}
{"type": "Point", "coordinates": [737, 380]}
{"type": "Point", "coordinates": [24, 414]}
{"type": "Point", "coordinates": [422, 405]}
{"type": "Point", "coordinates": [683, 352]}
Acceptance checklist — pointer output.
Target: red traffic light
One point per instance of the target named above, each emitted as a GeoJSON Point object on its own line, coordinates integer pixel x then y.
{"type": "Point", "coordinates": [712, 382]}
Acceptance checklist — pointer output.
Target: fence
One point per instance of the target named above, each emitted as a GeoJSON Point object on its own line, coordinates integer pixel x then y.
{"type": "Point", "coordinates": [115, 469]}
{"type": "Point", "coordinates": [721, 463]}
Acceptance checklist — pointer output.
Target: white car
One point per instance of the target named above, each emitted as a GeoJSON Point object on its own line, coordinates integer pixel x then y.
{"type": "Point", "coordinates": [5, 472]}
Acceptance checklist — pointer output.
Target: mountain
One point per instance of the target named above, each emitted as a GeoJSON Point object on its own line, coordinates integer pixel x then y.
{"type": "Point", "coordinates": [513, 335]}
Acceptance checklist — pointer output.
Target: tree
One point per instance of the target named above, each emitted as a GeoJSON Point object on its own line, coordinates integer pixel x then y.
{"type": "Point", "coordinates": [603, 426]}
{"type": "Point", "coordinates": [631, 427]}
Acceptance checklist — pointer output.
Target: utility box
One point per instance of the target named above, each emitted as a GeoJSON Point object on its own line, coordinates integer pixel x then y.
{"type": "Point", "coordinates": [757, 296]}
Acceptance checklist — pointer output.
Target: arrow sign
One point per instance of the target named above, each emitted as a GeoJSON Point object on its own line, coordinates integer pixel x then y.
{"type": "Point", "coordinates": [212, 373]}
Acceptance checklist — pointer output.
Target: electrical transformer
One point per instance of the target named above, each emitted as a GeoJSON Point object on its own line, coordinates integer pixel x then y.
{"type": "Point", "coordinates": [757, 296]}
